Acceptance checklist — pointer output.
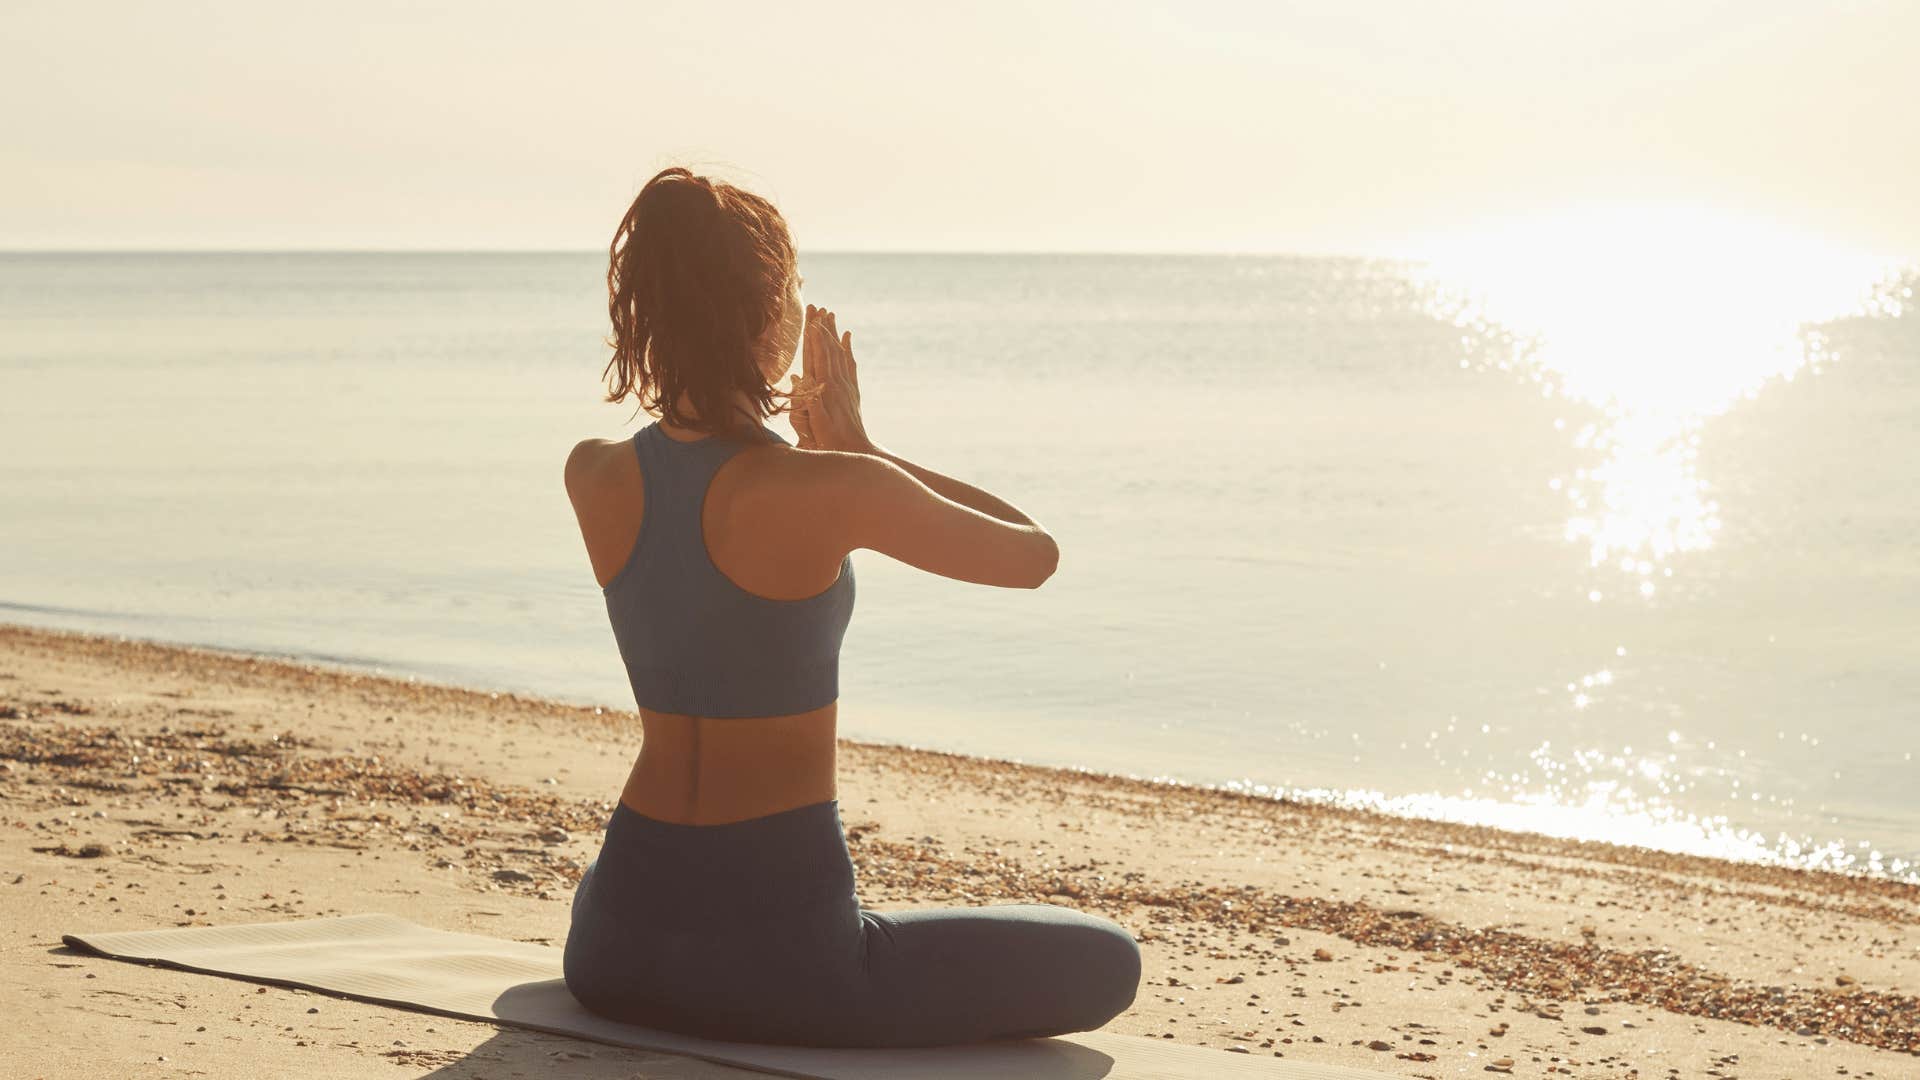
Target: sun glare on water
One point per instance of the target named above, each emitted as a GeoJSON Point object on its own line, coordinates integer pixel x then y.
{"type": "Point", "coordinates": [1661, 318]}
{"type": "Point", "coordinates": [1646, 322]}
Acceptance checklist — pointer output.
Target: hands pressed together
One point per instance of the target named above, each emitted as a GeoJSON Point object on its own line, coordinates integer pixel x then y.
{"type": "Point", "coordinates": [826, 394]}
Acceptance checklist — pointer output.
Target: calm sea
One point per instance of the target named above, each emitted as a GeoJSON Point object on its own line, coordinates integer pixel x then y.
{"type": "Point", "coordinates": [1612, 564]}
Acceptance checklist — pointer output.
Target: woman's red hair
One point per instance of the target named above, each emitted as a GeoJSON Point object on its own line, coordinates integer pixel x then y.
{"type": "Point", "coordinates": [697, 273]}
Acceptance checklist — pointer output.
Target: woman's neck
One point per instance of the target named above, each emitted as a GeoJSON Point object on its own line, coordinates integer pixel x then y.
{"type": "Point", "coordinates": [743, 416]}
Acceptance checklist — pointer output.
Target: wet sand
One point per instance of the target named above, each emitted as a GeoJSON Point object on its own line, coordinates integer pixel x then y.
{"type": "Point", "coordinates": [144, 785]}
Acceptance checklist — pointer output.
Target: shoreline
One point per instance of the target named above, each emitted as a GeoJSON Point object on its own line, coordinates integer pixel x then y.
{"type": "Point", "coordinates": [1319, 932]}
{"type": "Point", "coordinates": [1333, 800]}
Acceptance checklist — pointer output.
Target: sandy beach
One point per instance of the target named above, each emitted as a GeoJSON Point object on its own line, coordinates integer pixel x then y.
{"type": "Point", "coordinates": [144, 786]}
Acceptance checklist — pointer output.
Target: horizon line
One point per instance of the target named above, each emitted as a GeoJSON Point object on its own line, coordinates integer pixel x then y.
{"type": "Point", "coordinates": [981, 252]}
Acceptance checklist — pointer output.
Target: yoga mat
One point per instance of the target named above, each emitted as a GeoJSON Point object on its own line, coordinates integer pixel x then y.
{"type": "Point", "coordinates": [390, 961]}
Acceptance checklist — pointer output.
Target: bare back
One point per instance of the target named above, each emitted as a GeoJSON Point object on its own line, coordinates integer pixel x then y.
{"type": "Point", "coordinates": [705, 770]}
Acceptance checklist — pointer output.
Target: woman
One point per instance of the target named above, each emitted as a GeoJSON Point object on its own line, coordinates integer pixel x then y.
{"type": "Point", "coordinates": [722, 903]}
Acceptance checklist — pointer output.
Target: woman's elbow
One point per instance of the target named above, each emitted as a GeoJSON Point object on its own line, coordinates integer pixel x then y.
{"type": "Point", "coordinates": [1045, 563]}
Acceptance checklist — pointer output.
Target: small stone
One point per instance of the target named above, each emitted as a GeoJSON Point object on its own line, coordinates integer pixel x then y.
{"type": "Point", "coordinates": [1595, 1030]}
{"type": "Point", "coordinates": [1379, 1045]}
{"type": "Point", "coordinates": [1322, 955]}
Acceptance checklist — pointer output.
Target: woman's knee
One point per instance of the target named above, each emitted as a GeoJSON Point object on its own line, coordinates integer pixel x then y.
{"type": "Point", "coordinates": [1116, 969]}
{"type": "Point", "coordinates": [1104, 970]}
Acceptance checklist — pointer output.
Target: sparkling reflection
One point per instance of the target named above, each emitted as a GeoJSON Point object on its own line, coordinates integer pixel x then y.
{"type": "Point", "coordinates": [1585, 804]}
{"type": "Point", "coordinates": [1658, 319]}
{"type": "Point", "coordinates": [1646, 324]}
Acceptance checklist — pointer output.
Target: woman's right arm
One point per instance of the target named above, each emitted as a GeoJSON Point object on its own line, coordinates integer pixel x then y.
{"type": "Point", "coordinates": [884, 503]}
{"type": "Point", "coordinates": [959, 491]}
{"type": "Point", "coordinates": [865, 497]}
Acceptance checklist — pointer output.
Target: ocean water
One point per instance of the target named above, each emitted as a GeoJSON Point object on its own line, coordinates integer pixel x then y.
{"type": "Point", "coordinates": [1619, 553]}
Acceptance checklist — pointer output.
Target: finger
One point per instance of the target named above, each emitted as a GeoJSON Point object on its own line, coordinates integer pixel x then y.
{"type": "Point", "coordinates": [829, 353]}
{"type": "Point", "coordinates": [826, 349]}
{"type": "Point", "coordinates": [813, 354]}
{"type": "Point", "coordinates": [833, 338]}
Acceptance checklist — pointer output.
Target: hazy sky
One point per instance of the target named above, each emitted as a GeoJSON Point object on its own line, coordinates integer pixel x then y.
{"type": "Point", "coordinates": [1105, 126]}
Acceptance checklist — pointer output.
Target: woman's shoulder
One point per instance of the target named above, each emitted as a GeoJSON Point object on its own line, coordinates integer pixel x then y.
{"type": "Point", "coordinates": [601, 475]}
{"type": "Point", "coordinates": [591, 455]}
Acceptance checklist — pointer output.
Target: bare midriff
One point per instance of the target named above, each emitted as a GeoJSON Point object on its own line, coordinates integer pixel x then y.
{"type": "Point", "coordinates": [696, 770]}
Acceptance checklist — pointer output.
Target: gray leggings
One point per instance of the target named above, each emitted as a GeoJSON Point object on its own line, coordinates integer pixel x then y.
{"type": "Point", "coordinates": [750, 931]}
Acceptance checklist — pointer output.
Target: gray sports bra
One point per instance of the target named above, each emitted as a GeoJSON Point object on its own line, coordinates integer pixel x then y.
{"type": "Point", "coordinates": [694, 642]}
